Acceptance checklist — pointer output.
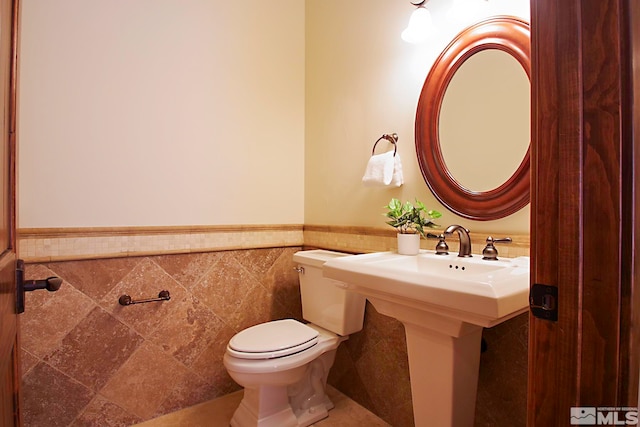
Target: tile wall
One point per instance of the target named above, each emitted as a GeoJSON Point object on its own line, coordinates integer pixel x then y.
{"type": "Point", "coordinates": [89, 361]}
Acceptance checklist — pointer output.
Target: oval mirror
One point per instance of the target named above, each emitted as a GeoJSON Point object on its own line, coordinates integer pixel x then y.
{"type": "Point", "coordinates": [472, 122]}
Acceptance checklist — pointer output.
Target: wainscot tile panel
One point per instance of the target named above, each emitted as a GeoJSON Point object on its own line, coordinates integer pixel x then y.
{"type": "Point", "coordinates": [502, 390]}
{"type": "Point", "coordinates": [122, 365]}
{"type": "Point", "coordinates": [92, 358]}
{"type": "Point", "coordinates": [51, 398]}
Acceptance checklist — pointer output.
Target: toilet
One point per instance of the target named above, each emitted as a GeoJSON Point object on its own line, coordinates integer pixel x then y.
{"type": "Point", "coordinates": [283, 364]}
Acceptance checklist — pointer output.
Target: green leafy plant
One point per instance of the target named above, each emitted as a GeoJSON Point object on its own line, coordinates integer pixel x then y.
{"type": "Point", "coordinates": [410, 218]}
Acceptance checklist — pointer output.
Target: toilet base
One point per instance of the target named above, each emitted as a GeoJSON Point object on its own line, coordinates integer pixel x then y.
{"type": "Point", "coordinates": [297, 405]}
{"type": "Point", "coordinates": [315, 413]}
{"type": "Point", "coordinates": [245, 416]}
{"type": "Point", "coordinates": [280, 414]}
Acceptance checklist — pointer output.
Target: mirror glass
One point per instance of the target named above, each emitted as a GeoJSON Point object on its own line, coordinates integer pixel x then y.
{"type": "Point", "coordinates": [473, 121]}
{"type": "Point", "coordinates": [490, 94]}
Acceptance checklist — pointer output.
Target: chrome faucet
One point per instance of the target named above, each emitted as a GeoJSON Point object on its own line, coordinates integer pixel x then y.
{"type": "Point", "coordinates": [463, 235]}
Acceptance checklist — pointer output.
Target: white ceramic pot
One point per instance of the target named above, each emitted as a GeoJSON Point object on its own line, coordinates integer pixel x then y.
{"type": "Point", "coordinates": [408, 244]}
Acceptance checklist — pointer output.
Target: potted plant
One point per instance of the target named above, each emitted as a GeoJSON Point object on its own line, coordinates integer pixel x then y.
{"type": "Point", "coordinates": [410, 220]}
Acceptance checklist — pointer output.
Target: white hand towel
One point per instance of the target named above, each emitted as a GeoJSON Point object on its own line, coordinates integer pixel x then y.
{"type": "Point", "coordinates": [383, 170]}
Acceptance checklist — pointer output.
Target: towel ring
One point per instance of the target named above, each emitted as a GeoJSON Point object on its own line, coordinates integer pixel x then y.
{"type": "Point", "coordinates": [392, 138]}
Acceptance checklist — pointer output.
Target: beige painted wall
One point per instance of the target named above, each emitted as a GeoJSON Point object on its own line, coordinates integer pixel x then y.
{"type": "Point", "coordinates": [161, 112]}
{"type": "Point", "coordinates": [362, 81]}
{"type": "Point", "coordinates": [201, 112]}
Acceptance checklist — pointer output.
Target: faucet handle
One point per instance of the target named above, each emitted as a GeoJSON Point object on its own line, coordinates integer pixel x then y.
{"type": "Point", "coordinates": [441, 247]}
{"type": "Point", "coordinates": [490, 252]}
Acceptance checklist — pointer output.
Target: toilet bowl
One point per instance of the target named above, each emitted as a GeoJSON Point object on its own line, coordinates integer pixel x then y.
{"type": "Point", "coordinates": [283, 365]}
{"type": "Point", "coordinates": [285, 390]}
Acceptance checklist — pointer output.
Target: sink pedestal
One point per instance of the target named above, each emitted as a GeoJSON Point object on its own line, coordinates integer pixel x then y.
{"type": "Point", "coordinates": [444, 361]}
{"type": "Point", "coordinates": [443, 301]}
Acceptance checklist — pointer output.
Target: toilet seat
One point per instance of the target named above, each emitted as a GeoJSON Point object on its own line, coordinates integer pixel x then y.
{"type": "Point", "coordinates": [272, 340]}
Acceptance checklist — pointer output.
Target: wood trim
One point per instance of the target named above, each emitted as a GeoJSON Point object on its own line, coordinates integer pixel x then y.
{"type": "Point", "coordinates": [62, 232]}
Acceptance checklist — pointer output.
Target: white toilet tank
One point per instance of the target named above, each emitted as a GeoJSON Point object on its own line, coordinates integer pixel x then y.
{"type": "Point", "coordinates": [323, 303]}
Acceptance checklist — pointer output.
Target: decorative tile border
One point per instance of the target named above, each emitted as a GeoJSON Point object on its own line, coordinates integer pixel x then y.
{"type": "Point", "coordinates": [366, 239]}
{"type": "Point", "coordinates": [61, 244]}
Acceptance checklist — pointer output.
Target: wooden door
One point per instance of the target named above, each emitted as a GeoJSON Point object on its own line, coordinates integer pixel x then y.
{"type": "Point", "coordinates": [9, 350]}
{"type": "Point", "coordinates": [584, 237]}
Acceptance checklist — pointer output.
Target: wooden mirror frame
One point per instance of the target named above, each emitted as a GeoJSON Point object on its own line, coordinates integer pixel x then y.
{"type": "Point", "coordinates": [510, 35]}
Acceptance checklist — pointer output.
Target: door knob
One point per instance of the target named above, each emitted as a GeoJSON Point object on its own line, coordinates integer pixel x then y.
{"type": "Point", "coordinates": [51, 284]}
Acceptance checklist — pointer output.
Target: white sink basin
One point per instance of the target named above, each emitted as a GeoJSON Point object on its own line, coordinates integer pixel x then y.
{"type": "Point", "coordinates": [477, 291]}
{"type": "Point", "coordinates": [443, 301]}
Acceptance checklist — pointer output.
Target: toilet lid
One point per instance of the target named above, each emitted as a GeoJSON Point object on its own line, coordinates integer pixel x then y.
{"type": "Point", "coordinates": [272, 339]}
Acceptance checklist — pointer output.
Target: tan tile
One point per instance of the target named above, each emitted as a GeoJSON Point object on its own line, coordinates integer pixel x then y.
{"type": "Point", "coordinates": [49, 316]}
{"type": "Point", "coordinates": [187, 269]}
{"type": "Point", "coordinates": [103, 413]}
{"type": "Point", "coordinates": [194, 389]}
{"type": "Point", "coordinates": [146, 280]}
{"type": "Point", "coordinates": [385, 374]}
{"type": "Point", "coordinates": [343, 375]}
{"type": "Point", "coordinates": [257, 306]}
{"type": "Point", "coordinates": [142, 384]}
{"type": "Point", "coordinates": [50, 398]}
{"type": "Point", "coordinates": [373, 360]}
{"type": "Point", "coordinates": [209, 364]}
{"type": "Point", "coordinates": [258, 261]}
{"type": "Point", "coordinates": [215, 413]}
{"type": "Point", "coordinates": [403, 415]}
{"type": "Point", "coordinates": [218, 413]}
{"type": "Point", "coordinates": [502, 382]}
{"type": "Point", "coordinates": [189, 330]}
{"type": "Point", "coordinates": [94, 278]}
{"type": "Point", "coordinates": [348, 413]}
{"type": "Point", "coordinates": [283, 281]}
{"type": "Point", "coordinates": [376, 328]}
{"type": "Point", "coordinates": [27, 361]}
{"type": "Point", "coordinates": [225, 286]}
{"type": "Point", "coordinates": [91, 358]}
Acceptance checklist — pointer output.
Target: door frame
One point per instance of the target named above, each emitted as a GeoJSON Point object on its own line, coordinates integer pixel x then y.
{"type": "Point", "coordinates": [10, 374]}
{"type": "Point", "coordinates": [584, 239]}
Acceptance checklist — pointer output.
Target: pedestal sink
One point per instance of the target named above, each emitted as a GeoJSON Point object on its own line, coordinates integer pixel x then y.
{"type": "Point", "coordinates": [443, 301]}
